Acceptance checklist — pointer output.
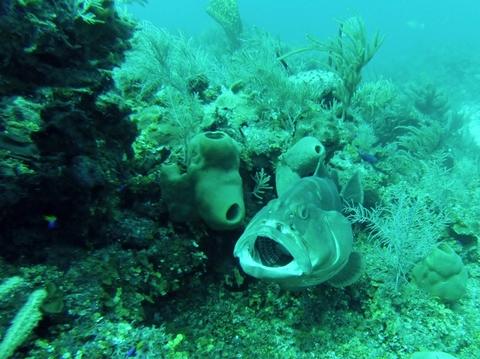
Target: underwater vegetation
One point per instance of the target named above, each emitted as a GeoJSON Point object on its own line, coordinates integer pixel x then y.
{"type": "Point", "coordinates": [227, 196]}
{"type": "Point", "coordinates": [347, 54]}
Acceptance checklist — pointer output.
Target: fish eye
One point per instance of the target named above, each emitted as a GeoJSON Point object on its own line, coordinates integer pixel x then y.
{"type": "Point", "coordinates": [302, 212]}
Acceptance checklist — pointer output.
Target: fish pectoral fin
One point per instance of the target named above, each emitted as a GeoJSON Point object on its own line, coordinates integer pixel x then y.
{"type": "Point", "coordinates": [285, 177]}
{"type": "Point", "coordinates": [353, 190]}
{"type": "Point", "coordinates": [350, 273]}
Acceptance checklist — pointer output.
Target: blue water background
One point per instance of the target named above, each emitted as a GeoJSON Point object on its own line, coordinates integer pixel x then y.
{"type": "Point", "coordinates": [420, 35]}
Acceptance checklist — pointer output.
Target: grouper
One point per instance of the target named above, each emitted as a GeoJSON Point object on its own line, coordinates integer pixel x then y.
{"type": "Point", "coordinates": [301, 238]}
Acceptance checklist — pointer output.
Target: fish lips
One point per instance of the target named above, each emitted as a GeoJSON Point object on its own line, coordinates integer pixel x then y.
{"type": "Point", "coordinates": [289, 240]}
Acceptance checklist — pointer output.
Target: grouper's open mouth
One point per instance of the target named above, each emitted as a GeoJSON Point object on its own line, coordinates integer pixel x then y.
{"type": "Point", "coordinates": [272, 250]}
{"type": "Point", "coordinates": [270, 253]}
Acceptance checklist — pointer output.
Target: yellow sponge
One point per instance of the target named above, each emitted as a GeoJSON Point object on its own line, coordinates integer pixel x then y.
{"type": "Point", "coordinates": [226, 13]}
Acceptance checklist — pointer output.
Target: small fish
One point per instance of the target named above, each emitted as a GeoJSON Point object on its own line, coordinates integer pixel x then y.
{"type": "Point", "coordinates": [282, 61]}
{"type": "Point", "coordinates": [368, 157]}
{"type": "Point", "coordinates": [122, 187]}
{"type": "Point", "coordinates": [131, 352]}
{"type": "Point", "coordinates": [52, 221]}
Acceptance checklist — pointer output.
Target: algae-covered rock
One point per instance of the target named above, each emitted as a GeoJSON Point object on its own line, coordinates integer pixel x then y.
{"type": "Point", "coordinates": [442, 274]}
{"type": "Point", "coordinates": [59, 43]}
{"type": "Point", "coordinates": [63, 142]}
{"type": "Point", "coordinates": [230, 108]}
{"type": "Point", "coordinates": [325, 83]}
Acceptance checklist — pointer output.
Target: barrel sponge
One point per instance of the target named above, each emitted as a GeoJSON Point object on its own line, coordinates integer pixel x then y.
{"type": "Point", "coordinates": [213, 168]}
{"type": "Point", "coordinates": [442, 274]}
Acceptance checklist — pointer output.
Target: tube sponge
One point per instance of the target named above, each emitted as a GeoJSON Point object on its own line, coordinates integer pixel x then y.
{"type": "Point", "coordinates": [299, 161]}
{"type": "Point", "coordinates": [214, 162]}
{"type": "Point", "coordinates": [211, 188]}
